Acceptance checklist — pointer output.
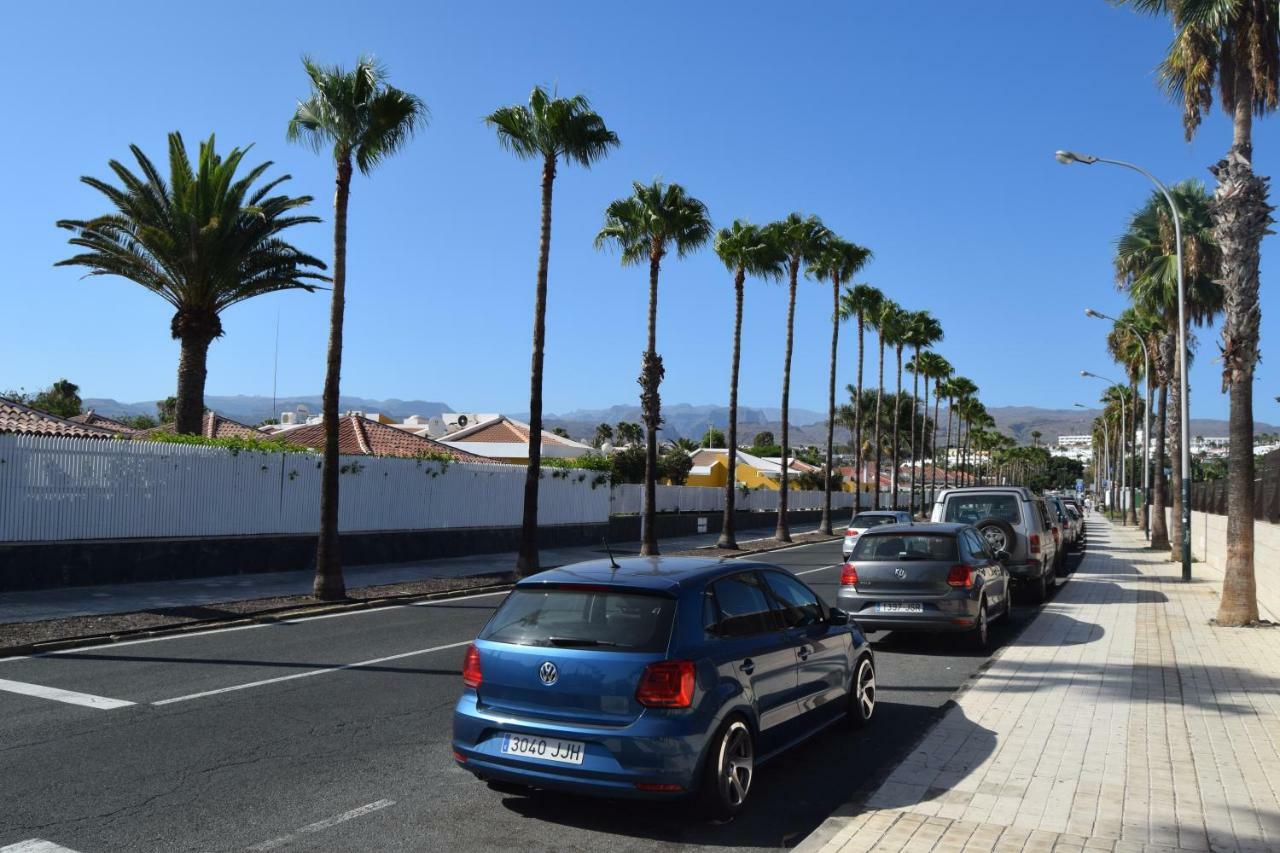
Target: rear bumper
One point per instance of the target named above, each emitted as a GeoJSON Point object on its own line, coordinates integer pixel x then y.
{"type": "Point", "coordinates": [1027, 571]}
{"type": "Point", "coordinates": [953, 613]}
{"type": "Point", "coordinates": [655, 748]}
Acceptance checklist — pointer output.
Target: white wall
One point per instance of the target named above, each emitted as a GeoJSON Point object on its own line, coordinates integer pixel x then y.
{"type": "Point", "coordinates": [1209, 545]}
{"type": "Point", "coordinates": [628, 498]}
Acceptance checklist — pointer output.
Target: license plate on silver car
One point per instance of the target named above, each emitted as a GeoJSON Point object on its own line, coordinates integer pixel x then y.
{"type": "Point", "coordinates": [546, 748]}
{"type": "Point", "coordinates": [899, 607]}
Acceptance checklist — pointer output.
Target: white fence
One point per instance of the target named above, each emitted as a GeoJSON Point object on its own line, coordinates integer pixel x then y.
{"type": "Point", "coordinates": [67, 488]}
{"type": "Point", "coordinates": [628, 499]}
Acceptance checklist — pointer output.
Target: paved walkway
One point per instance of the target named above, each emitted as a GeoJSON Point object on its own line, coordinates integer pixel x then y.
{"type": "Point", "coordinates": [1120, 720]}
{"type": "Point", "coordinates": [61, 602]}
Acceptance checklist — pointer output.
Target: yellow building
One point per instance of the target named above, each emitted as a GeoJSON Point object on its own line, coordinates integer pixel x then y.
{"type": "Point", "coordinates": [711, 468]}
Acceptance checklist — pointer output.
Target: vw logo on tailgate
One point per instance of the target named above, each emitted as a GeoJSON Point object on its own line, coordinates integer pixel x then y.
{"type": "Point", "coordinates": [900, 572]}
{"type": "Point", "coordinates": [547, 673]}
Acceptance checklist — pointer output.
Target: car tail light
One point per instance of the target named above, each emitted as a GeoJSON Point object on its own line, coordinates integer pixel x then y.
{"type": "Point", "coordinates": [459, 757]}
{"type": "Point", "coordinates": [960, 576]}
{"type": "Point", "coordinates": [1033, 543]}
{"type": "Point", "coordinates": [666, 684]}
{"type": "Point", "coordinates": [850, 533]}
{"type": "Point", "coordinates": [471, 675]}
{"type": "Point", "coordinates": [849, 575]}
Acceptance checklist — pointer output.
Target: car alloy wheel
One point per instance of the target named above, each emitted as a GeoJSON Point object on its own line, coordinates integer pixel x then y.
{"type": "Point", "coordinates": [863, 701]}
{"type": "Point", "coordinates": [736, 763]}
{"type": "Point", "coordinates": [981, 634]}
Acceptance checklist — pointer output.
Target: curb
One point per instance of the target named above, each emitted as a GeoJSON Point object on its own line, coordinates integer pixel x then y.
{"type": "Point", "coordinates": [262, 617]}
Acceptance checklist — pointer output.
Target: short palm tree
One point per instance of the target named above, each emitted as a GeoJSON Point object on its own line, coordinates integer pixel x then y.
{"type": "Point", "coordinates": [859, 301]}
{"type": "Point", "coordinates": [202, 241]}
{"type": "Point", "coordinates": [361, 121]}
{"type": "Point", "coordinates": [744, 249]}
{"type": "Point", "coordinates": [923, 330]}
{"type": "Point", "coordinates": [547, 129]}
{"type": "Point", "coordinates": [652, 221]}
{"type": "Point", "coordinates": [886, 319]}
{"type": "Point", "coordinates": [1235, 44]}
{"type": "Point", "coordinates": [1146, 265]}
{"type": "Point", "coordinates": [838, 262]}
{"type": "Point", "coordinates": [802, 239]}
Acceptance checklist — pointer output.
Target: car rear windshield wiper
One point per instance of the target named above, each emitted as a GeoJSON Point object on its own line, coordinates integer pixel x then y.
{"type": "Point", "coordinates": [578, 641]}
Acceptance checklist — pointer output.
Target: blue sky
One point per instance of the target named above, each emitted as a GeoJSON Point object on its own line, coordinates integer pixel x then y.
{"type": "Point", "coordinates": [926, 135]}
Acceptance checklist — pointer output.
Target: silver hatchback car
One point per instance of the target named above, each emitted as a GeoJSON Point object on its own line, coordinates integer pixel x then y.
{"type": "Point", "coordinates": [925, 577]}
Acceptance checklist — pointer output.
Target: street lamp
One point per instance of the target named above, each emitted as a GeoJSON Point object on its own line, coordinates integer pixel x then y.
{"type": "Point", "coordinates": [1124, 474]}
{"type": "Point", "coordinates": [1067, 157]}
{"type": "Point", "coordinates": [1146, 417]}
{"type": "Point", "coordinates": [1104, 457]}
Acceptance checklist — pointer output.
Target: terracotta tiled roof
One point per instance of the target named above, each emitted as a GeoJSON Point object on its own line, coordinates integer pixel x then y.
{"type": "Point", "coordinates": [15, 417]}
{"type": "Point", "coordinates": [359, 436]}
{"type": "Point", "coordinates": [504, 430]}
{"type": "Point", "coordinates": [92, 418]}
{"type": "Point", "coordinates": [214, 425]}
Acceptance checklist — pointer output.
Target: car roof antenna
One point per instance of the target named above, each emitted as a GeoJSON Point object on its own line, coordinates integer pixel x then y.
{"type": "Point", "coordinates": [613, 564]}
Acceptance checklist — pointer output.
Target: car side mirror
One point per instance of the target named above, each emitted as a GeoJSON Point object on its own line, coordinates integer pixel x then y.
{"type": "Point", "coordinates": [836, 616]}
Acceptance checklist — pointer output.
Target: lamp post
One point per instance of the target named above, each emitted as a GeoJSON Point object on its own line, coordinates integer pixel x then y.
{"type": "Point", "coordinates": [1146, 417]}
{"type": "Point", "coordinates": [1105, 456]}
{"type": "Point", "coordinates": [1124, 472]}
{"type": "Point", "coordinates": [1067, 157]}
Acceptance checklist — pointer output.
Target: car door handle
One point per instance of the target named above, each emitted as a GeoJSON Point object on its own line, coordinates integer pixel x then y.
{"type": "Point", "coordinates": [803, 652]}
{"type": "Point", "coordinates": [748, 666]}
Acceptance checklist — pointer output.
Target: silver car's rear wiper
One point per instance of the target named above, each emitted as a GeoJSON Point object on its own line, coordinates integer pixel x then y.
{"type": "Point", "coordinates": [578, 641]}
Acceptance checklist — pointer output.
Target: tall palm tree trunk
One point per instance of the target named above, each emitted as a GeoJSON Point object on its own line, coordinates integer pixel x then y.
{"type": "Point", "coordinates": [1131, 514]}
{"type": "Point", "coordinates": [897, 412]}
{"type": "Point", "coordinates": [915, 454]}
{"type": "Point", "coordinates": [194, 338]}
{"type": "Point", "coordinates": [1241, 215]}
{"type": "Point", "coordinates": [933, 445]}
{"type": "Point", "coordinates": [728, 537]}
{"type": "Point", "coordinates": [329, 585]}
{"type": "Point", "coordinates": [650, 407]}
{"type": "Point", "coordinates": [879, 401]}
{"type": "Point", "coordinates": [1174, 441]}
{"type": "Point", "coordinates": [1160, 525]}
{"type": "Point", "coordinates": [824, 524]}
{"type": "Point", "coordinates": [783, 532]}
{"type": "Point", "coordinates": [946, 458]}
{"type": "Point", "coordinates": [527, 556]}
{"type": "Point", "coordinates": [857, 427]}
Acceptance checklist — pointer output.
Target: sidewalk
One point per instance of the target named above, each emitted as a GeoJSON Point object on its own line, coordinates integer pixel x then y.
{"type": "Point", "coordinates": [62, 602]}
{"type": "Point", "coordinates": [1120, 720]}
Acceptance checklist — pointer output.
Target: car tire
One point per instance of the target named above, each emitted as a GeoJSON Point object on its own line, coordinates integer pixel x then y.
{"type": "Point", "coordinates": [863, 696]}
{"type": "Point", "coordinates": [1040, 589]}
{"type": "Point", "coordinates": [988, 527]}
{"type": "Point", "coordinates": [729, 770]}
{"type": "Point", "coordinates": [980, 637]}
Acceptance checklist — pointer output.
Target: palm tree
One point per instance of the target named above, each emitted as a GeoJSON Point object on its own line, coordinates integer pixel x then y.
{"type": "Point", "coordinates": [935, 367]}
{"type": "Point", "coordinates": [646, 225]}
{"type": "Point", "coordinates": [859, 301]}
{"type": "Point", "coordinates": [1235, 43]}
{"type": "Point", "coordinates": [547, 129]}
{"type": "Point", "coordinates": [362, 121]}
{"type": "Point", "coordinates": [1035, 437]}
{"type": "Point", "coordinates": [802, 239]}
{"type": "Point", "coordinates": [202, 241]}
{"type": "Point", "coordinates": [958, 388]}
{"type": "Point", "coordinates": [838, 262]}
{"type": "Point", "coordinates": [743, 248]}
{"type": "Point", "coordinates": [1146, 265]}
{"type": "Point", "coordinates": [1124, 343]}
{"type": "Point", "coordinates": [923, 330]}
{"type": "Point", "coordinates": [897, 335]}
{"type": "Point", "coordinates": [886, 319]}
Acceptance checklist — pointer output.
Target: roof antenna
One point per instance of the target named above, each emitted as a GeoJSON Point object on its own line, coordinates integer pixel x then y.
{"type": "Point", "coordinates": [613, 564]}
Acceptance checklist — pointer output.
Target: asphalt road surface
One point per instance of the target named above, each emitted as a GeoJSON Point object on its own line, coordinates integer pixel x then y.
{"type": "Point", "coordinates": [333, 733]}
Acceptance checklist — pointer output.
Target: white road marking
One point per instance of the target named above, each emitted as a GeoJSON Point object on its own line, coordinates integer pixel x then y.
{"type": "Point", "coordinates": [86, 700]}
{"type": "Point", "coordinates": [35, 845]}
{"type": "Point", "coordinates": [823, 569]}
{"type": "Point", "coordinates": [315, 827]}
{"type": "Point", "coordinates": [309, 673]}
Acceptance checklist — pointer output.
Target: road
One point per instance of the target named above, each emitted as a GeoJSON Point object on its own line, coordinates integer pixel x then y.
{"type": "Point", "coordinates": [332, 733]}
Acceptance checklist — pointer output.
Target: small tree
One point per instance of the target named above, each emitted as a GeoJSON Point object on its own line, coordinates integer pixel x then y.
{"type": "Point", "coordinates": [675, 465]}
{"type": "Point", "coordinates": [764, 439]}
{"type": "Point", "coordinates": [62, 398]}
{"type": "Point", "coordinates": [712, 438]}
{"type": "Point", "coordinates": [167, 410]}
{"type": "Point", "coordinates": [604, 433]}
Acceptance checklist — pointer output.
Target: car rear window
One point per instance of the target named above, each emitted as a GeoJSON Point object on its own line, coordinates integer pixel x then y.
{"type": "Point", "coordinates": [970, 509]}
{"type": "Point", "coordinates": [898, 546]}
{"type": "Point", "coordinates": [583, 618]}
{"type": "Point", "coordinates": [864, 522]}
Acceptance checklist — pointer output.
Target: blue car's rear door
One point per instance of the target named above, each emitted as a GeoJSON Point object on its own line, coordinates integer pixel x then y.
{"type": "Point", "coordinates": [823, 664]}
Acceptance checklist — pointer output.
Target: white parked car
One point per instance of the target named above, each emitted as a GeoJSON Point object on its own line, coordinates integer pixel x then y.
{"type": "Point", "coordinates": [866, 520]}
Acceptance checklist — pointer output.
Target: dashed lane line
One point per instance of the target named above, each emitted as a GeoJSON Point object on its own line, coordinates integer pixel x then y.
{"type": "Point", "coordinates": [35, 845]}
{"type": "Point", "coordinates": [318, 825]}
{"type": "Point", "coordinates": [86, 700]}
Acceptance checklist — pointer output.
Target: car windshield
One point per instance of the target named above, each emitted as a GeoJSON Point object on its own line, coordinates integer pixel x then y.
{"type": "Point", "coordinates": [970, 509]}
{"type": "Point", "coordinates": [864, 521]}
{"type": "Point", "coordinates": [583, 618]}
{"type": "Point", "coordinates": [899, 546]}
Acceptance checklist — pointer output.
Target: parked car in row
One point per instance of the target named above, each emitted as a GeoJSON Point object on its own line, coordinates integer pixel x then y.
{"type": "Point", "coordinates": [1014, 520]}
{"type": "Point", "coordinates": [656, 678]}
{"type": "Point", "coordinates": [1070, 529]}
{"type": "Point", "coordinates": [864, 521]}
{"type": "Point", "coordinates": [926, 577]}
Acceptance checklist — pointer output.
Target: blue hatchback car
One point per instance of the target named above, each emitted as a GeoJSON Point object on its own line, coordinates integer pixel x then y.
{"type": "Point", "coordinates": [656, 678]}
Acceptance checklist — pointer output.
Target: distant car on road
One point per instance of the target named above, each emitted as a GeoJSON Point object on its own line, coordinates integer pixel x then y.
{"type": "Point", "coordinates": [926, 577]}
{"type": "Point", "coordinates": [656, 678]}
{"type": "Point", "coordinates": [864, 521]}
{"type": "Point", "coordinates": [1013, 520]}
